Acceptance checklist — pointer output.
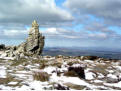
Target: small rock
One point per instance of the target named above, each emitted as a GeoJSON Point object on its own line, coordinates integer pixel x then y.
{"type": "Point", "coordinates": [60, 87]}
{"type": "Point", "coordinates": [22, 55]}
{"type": "Point", "coordinates": [89, 58]}
{"type": "Point", "coordinates": [111, 80]}
{"type": "Point", "coordinates": [4, 55]}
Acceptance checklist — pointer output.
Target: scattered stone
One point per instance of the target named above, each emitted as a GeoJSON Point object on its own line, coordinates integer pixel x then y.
{"type": "Point", "coordinates": [75, 86]}
{"type": "Point", "coordinates": [22, 55]}
{"type": "Point", "coordinates": [60, 87]}
{"type": "Point", "coordinates": [111, 80]}
{"type": "Point", "coordinates": [4, 55]}
{"type": "Point", "coordinates": [89, 57]}
{"type": "Point", "coordinates": [2, 46]}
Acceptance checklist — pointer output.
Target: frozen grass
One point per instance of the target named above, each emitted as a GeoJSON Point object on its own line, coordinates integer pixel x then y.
{"type": "Point", "coordinates": [19, 62]}
{"type": "Point", "coordinates": [41, 76]}
{"type": "Point", "coordinates": [101, 69]}
{"type": "Point", "coordinates": [57, 64]}
{"type": "Point", "coordinates": [70, 74]}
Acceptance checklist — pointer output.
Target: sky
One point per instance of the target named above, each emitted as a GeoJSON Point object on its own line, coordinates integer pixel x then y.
{"type": "Point", "coordinates": [64, 23]}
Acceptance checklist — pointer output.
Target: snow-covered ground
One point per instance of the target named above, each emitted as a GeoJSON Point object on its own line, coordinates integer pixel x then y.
{"type": "Point", "coordinates": [20, 75]}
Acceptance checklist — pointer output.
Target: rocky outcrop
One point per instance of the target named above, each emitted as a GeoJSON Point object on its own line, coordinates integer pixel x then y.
{"type": "Point", "coordinates": [34, 43]}
{"type": "Point", "coordinates": [32, 46]}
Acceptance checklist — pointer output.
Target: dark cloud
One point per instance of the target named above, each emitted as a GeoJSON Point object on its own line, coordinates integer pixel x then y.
{"type": "Point", "coordinates": [109, 10]}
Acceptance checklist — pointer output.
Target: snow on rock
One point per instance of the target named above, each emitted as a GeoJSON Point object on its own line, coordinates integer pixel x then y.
{"type": "Point", "coordinates": [29, 66]}
{"type": "Point", "coordinates": [74, 80]}
{"type": "Point", "coordinates": [100, 75]}
{"type": "Point", "coordinates": [113, 84]}
{"type": "Point", "coordinates": [64, 67]}
{"type": "Point", "coordinates": [79, 65]}
{"type": "Point", "coordinates": [7, 58]}
{"type": "Point", "coordinates": [110, 71]}
{"type": "Point", "coordinates": [5, 88]}
{"type": "Point", "coordinates": [54, 78]}
{"type": "Point", "coordinates": [77, 81]}
{"type": "Point", "coordinates": [3, 55]}
{"type": "Point", "coordinates": [118, 67]}
{"type": "Point", "coordinates": [12, 83]}
{"type": "Point", "coordinates": [3, 72]}
{"type": "Point", "coordinates": [97, 81]}
{"type": "Point", "coordinates": [89, 61]}
{"type": "Point", "coordinates": [37, 85]}
{"type": "Point", "coordinates": [61, 87]}
{"type": "Point", "coordinates": [112, 76]}
{"type": "Point", "coordinates": [50, 69]}
{"type": "Point", "coordinates": [90, 75]}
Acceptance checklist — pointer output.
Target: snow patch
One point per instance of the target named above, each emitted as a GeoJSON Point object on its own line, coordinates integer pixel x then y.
{"type": "Point", "coordinates": [3, 72]}
{"type": "Point", "coordinates": [98, 81]}
{"type": "Point", "coordinates": [49, 69]}
{"type": "Point", "coordinates": [112, 76]}
{"type": "Point", "coordinates": [89, 61]}
{"type": "Point", "coordinates": [12, 83]}
{"type": "Point", "coordinates": [90, 75]}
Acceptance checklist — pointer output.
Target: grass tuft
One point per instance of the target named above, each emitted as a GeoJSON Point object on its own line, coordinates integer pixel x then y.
{"type": "Point", "coordinates": [70, 74]}
{"type": "Point", "coordinates": [41, 76]}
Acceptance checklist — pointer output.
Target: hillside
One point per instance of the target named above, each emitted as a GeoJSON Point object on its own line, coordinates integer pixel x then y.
{"type": "Point", "coordinates": [60, 73]}
{"type": "Point", "coordinates": [83, 51]}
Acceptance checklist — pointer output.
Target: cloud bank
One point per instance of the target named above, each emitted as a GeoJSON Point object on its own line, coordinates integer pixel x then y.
{"type": "Point", "coordinates": [71, 23]}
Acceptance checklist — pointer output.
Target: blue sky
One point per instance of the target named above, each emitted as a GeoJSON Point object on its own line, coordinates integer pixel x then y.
{"type": "Point", "coordinates": [64, 23]}
{"type": "Point", "coordinates": [59, 2]}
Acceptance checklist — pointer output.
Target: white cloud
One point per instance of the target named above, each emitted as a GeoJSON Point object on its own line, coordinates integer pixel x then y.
{"type": "Point", "coordinates": [14, 33]}
{"type": "Point", "coordinates": [25, 11]}
{"type": "Point", "coordinates": [51, 31]}
{"type": "Point", "coordinates": [71, 34]}
{"type": "Point", "coordinates": [100, 35]}
{"type": "Point", "coordinates": [60, 33]}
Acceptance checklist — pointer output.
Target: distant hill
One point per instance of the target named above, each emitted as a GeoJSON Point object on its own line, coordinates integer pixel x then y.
{"type": "Point", "coordinates": [83, 51]}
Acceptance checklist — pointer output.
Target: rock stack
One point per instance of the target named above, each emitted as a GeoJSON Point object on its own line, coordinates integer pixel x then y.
{"type": "Point", "coordinates": [33, 45]}
{"type": "Point", "coordinates": [35, 41]}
